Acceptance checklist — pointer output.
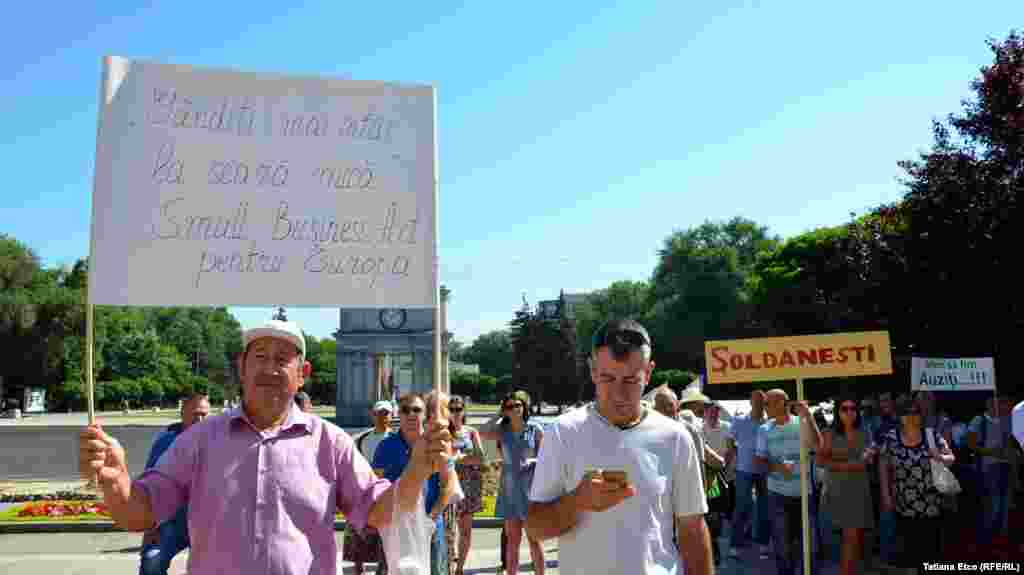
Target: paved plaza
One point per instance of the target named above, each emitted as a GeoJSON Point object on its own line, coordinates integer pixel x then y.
{"type": "Point", "coordinates": [118, 553]}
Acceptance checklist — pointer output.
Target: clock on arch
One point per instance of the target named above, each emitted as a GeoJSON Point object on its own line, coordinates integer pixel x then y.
{"type": "Point", "coordinates": [392, 318]}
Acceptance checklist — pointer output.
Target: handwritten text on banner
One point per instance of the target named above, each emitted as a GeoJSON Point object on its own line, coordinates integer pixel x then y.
{"type": "Point", "coordinates": [218, 187]}
{"type": "Point", "coordinates": [952, 374]}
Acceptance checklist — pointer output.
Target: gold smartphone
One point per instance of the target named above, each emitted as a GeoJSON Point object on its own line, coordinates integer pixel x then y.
{"type": "Point", "coordinates": [618, 476]}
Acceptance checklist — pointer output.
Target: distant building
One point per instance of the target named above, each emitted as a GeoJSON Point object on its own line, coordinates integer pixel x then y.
{"type": "Point", "coordinates": [572, 301]}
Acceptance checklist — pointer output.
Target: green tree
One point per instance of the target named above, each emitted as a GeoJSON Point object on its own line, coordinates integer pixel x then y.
{"type": "Point", "coordinates": [486, 387]}
{"type": "Point", "coordinates": [37, 312]}
{"type": "Point", "coordinates": [545, 357]}
{"type": "Point", "coordinates": [152, 391]}
{"type": "Point", "coordinates": [492, 351]}
{"type": "Point", "coordinates": [504, 385]}
{"type": "Point", "coordinates": [466, 384]}
{"type": "Point", "coordinates": [622, 299]}
{"type": "Point", "coordinates": [699, 288]}
{"type": "Point", "coordinates": [963, 214]}
{"type": "Point", "coordinates": [806, 285]}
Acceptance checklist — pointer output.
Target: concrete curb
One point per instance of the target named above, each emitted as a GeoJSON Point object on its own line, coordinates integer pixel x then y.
{"type": "Point", "coordinates": [15, 527]}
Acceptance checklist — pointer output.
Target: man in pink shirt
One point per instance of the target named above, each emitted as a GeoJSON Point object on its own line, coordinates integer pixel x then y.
{"type": "Point", "coordinates": [262, 481]}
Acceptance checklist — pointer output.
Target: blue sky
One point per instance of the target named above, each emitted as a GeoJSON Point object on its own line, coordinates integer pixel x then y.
{"type": "Point", "coordinates": [574, 137]}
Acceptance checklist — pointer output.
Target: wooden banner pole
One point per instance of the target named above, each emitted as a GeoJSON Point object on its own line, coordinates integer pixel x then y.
{"type": "Point", "coordinates": [90, 382]}
{"type": "Point", "coordinates": [106, 95]}
{"type": "Point", "coordinates": [804, 493]}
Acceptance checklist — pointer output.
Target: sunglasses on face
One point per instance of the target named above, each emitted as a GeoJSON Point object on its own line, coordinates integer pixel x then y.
{"type": "Point", "coordinates": [455, 409]}
{"type": "Point", "coordinates": [406, 410]}
{"type": "Point", "coordinates": [848, 408]}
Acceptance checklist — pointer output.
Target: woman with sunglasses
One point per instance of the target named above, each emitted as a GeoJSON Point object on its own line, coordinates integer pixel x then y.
{"type": "Point", "coordinates": [846, 452]}
{"type": "Point", "coordinates": [468, 449]}
{"type": "Point", "coordinates": [520, 442]}
{"type": "Point", "coordinates": [905, 475]}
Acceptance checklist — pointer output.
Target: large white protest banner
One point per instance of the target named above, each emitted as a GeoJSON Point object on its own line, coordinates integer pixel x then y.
{"type": "Point", "coordinates": [218, 187]}
{"type": "Point", "coordinates": [952, 374]}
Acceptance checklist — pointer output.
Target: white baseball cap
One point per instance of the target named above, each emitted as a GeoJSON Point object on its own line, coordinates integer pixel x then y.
{"type": "Point", "coordinates": [286, 330]}
{"type": "Point", "coordinates": [383, 405]}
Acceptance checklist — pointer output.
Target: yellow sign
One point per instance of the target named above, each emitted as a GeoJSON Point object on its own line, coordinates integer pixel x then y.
{"type": "Point", "coordinates": [808, 356]}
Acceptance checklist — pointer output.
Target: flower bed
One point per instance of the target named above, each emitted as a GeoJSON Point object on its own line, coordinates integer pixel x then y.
{"type": "Point", "coordinates": [57, 511]}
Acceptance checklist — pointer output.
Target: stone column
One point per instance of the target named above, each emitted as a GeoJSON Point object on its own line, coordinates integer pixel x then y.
{"type": "Point", "coordinates": [356, 387]}
{"type": "Point", "coordinates": [423, 370]}
{"type": "Point", "coordinates": [445, 337]}
{"type": "Point", "coordinates": [379, 380]}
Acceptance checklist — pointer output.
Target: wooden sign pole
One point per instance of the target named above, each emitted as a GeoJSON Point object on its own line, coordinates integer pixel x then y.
{"type": "Point", "coordinates": [804, 493]}
{"type": "Point", "coordinates": [106, 95]}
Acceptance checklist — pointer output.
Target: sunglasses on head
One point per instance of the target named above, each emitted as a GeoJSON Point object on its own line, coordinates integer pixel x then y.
{"type": "Point", "coordinates": [407, 410]}
{"type": "Point", "coordinates": [621, 337]}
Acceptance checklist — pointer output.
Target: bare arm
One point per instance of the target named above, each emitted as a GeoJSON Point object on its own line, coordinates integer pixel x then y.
{"type": "Point", "coordinates": [716, 460]}
{"type": "Point", "coordinates": [128, 504]}
{"type": "Point", "coordinates": [694, 544]}
{"type": "Point", "coordinates": [406, 492]}
{"type": "Point", "coordinates": [430, 452]}
{"type": "Point", "coordinates": [102, 455]}
{"type": "Point", "coordinates": [549, 520]}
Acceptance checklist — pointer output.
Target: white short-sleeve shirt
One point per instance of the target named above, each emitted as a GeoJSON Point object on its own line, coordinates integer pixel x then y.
{"type": "Point", "coordinates": [635, 536]}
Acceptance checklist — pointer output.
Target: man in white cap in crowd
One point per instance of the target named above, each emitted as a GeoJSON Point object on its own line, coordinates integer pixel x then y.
{"type": "Point", "coordinates": [364, 545]}
{"type": "Point", "coordinates": [263, 482]}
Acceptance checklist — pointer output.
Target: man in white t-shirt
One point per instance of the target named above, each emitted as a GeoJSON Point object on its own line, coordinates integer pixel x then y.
{"type": "Point", "coordinates": [604, 526]}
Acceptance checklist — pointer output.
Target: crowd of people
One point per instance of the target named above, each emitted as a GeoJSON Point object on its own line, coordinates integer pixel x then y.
{"type": "Point", "coordinates": [625, 486]}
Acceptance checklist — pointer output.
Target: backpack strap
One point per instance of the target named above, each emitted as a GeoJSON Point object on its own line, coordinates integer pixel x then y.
{"type": "Point", "coordinates": [360, 439]}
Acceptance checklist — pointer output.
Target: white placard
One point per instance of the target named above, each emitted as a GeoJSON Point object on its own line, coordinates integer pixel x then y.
{"type": "Point", "coordinates": [957, 374]}
{"type": "Point", "coordinates": [217, 187]}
